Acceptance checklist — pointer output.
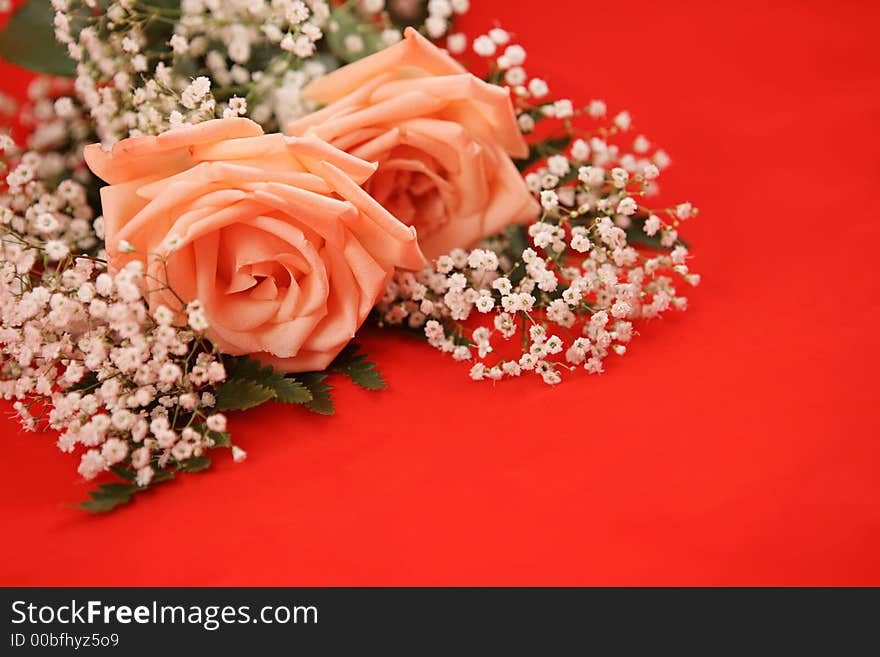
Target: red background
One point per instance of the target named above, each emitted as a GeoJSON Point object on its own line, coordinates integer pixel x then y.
{"type": "Point", "coordinates": [735, 444]}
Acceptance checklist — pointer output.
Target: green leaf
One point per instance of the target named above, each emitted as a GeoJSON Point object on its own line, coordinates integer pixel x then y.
{"type": "Point", "coordinates": [291, 391]}
{"type": "Point", "coordinates": [245, 367]}
{"type": "Point", "coordinates": [355, 365]}
{"type": "Point", "coordinates": [518, 239]}
{"type": "Point", "coordinates": [636, 234]}
{"type": "Point", "coordinates": [195, 464]}
{"type": "Point", "coordinates": [239, 394]}
{"type": "Point", "coordinates": [28, 40]}
{"type": "Point", "coordinates": [108, 496]}
{"type": "Point", "coordinates": [286, 389]}
{"type": "Point", "coordinates": [161, 475]}
{"type": "Point", "coordinates": [114, 489]}
{"type": "Point", "coordinates": [102, 505]}
{"type": "Point", "coordinates": [321, 401]}
{"type": "Point", "coordinates": [220, 438]}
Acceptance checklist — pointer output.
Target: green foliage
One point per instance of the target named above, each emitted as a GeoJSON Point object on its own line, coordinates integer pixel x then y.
{"type": "Point", "coordinates": [220, 438]}
{"type": "Point", "coordinates": [28, 40]}
{"type": "Point", "coordinates": [321, 402]}
{"type": "Point", "coordinates": [518, 240]}
{"type": "Point", "coordinates": [355, 366]}
{"type": "Point", "coordinates": [636, 234]}
{"type": "Point", "coordinates": [240, 394]}
{"type": "Point", "coordinates": [350, 23]}
{"type": "Point", "coordinates": [195, 464]}
{"type": "Point", "coordinates": [108, 496]}
{"type": "Point", "coordinates": [251, 383]}
{"type": "Point", "coordinates": [123, 472]}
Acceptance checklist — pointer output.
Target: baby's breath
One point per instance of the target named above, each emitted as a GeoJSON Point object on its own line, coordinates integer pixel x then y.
{"type": "Point", "coordinates": [572, 285]}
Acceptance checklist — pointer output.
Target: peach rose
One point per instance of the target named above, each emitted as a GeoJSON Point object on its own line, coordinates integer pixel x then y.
{"type": "Point", "coordinates": [273, 234]}
{"type": "Point", "coordinates": [441, 136]}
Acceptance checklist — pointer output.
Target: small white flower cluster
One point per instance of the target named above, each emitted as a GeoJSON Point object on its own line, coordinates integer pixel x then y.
{"type": "Point", "coordinates": [571, 284]}
{"type": "Point", "coordinates": [441, 13]}
{"type": "Point", "coordinates": [39, 219]}
{"type": "Point", "coordinates": [56, 123]}
{"type": "Point", "coordinates": [79, 349]}
{"type": "Point", "coordinates": [132, 389]}
{"type": "Point", "coordinates": [213, 59]}
{"type": "Point", "coordinates": [263, 50]}
{"type": "Point", "coordinates": [57, 128]}
{"type": "Point", "coordinates": [583, 308]}
{"type": "Point", "coordinates": [431, 17]}
{"type": "Point", "coordinates": [374, 24]}
{"type": "Point", "coordinates": [128, 86]}
{"type": "Point", "coordinates": [506, 68]}
{"type": "Point", "coordinates": [143, 68]}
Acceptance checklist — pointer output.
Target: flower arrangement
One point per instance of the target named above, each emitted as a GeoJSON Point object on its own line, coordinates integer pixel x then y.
{"type": "Point", "coordinates": [210, 198]}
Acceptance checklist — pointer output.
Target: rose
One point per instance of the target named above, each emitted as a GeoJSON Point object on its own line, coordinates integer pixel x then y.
{"type": "Point", "coordinates": [272, 234]}
{"type": "Point", "coordinates": [442, 139]}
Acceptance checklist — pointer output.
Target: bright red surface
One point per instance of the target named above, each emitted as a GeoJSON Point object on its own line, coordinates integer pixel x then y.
{"type": "Point", "coordinates": [735, 444]}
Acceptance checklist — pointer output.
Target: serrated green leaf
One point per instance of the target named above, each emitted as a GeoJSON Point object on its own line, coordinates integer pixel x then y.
{"type": "Point", "coordinates": [244, 367]}
{"type": "Point", "coordinates": [355, 365]}
{"type": "Point", "coordinates": [108, 496]}
{"type": "Point", "coordinates": [102, 505]}
{"type": "Point", "coordinates": [321, 401]}
{"type": "Point", "coordinates": [195, 464]}
{"type": "Point", "coordinates": [28, 40]}
{"type": "Point", "coordinates": [114, 489]}
{"type": "Point", "coordinates": [291, 391]}
{"type": "Point", "coordinates": [285, 388]}
{"type": "Point", "coordinates": [240, 394]}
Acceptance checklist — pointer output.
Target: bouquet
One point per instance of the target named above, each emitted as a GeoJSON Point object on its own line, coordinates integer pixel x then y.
{"type": "Point", "coordinates": [203, 201]}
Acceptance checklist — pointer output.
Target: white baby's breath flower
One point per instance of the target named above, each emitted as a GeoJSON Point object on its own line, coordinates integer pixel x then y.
{"type": "Point", "coordinates": [354, 43]}
{"type": "Point", "coordinates": [623, 121]}
{"type": "Point", "coordinates": [549, 200]}
{"type": "Point", "coordinates": [390, 36]}
{"type": "Point", "coordinates": [596, 108]}
{"type": "Point", "coordinates": [216, 422]}
{"type": "Point", "coordinates": [538, 88]}
{"type": "Point", "coordinates": [455, 43]}
{"type": "Point", "coordinates": [56, 250]}
{"type": "Point", "coordinates": [484, 46]}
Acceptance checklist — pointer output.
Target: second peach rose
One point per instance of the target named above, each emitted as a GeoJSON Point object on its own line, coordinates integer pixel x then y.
{"type": "Point", "coordinates": [443, 140]}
